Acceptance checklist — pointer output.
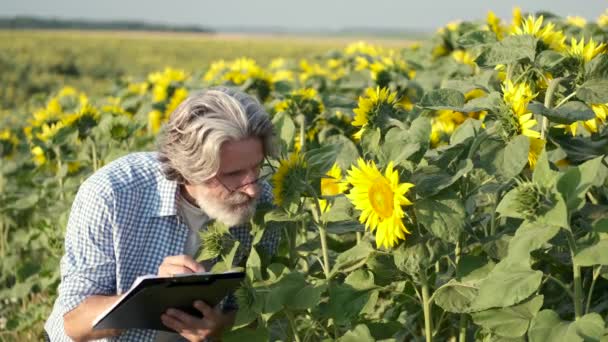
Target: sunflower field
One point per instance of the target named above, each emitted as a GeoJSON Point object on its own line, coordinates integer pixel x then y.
{"type": "Point", "coordinates": [454, 190]}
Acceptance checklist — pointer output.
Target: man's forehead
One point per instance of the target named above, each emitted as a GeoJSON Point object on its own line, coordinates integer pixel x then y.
{"type": "Point", "coordinates": [240, 154]}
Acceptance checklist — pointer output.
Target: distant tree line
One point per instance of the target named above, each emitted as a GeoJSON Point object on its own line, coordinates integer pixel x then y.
{"type": "Point", "coordinates": [22, 22]}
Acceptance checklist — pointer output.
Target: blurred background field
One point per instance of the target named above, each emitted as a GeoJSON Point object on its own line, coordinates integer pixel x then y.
{"type": "Point", "coordinates": [35, 63]}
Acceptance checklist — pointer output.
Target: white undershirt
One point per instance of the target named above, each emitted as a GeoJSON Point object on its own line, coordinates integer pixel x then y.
{"type": "Point", "coordinates": [196, 220]}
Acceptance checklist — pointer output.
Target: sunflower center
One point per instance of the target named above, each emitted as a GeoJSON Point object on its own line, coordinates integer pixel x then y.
{"type": "Point", "coordinates": [381, 198]}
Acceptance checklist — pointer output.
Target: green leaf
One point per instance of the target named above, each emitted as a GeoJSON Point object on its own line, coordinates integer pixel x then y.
{"type": "Point", "coordinates": [597, 68]}
{"type": "Point", "coordinates": [469, 129]}
{"type": "Point", "coordinates": [511, 321]}
{"type": "Point", "coordinates": [510, 50]}
{"type": "Point", "coordinates": [430, 181]}
{"type": "Point", "coordinates": [443, 216]}
{"type": "Point", "coordinates": [254, 266]}
{"type": "Point", "coordinates": [514, 284]}
{"type": "Point", "coordinates": [515, 157]}
{"type": "Point", "coordinates": [442, 99]}
{"type": "Point", "coordinates": [492, 102]}
{"type": "Point", "coordinates": [353, 258]}
{"type": "Point", "coordinates": [596, 254]}
{"type": "Point", "coordinates": [548, 327]}
{"type": "Point", "coordinates": [593, 91]}
{"type": "Point", "coordinates": [344, 227]}
{"type": "Point", "coordinates": [341, 210]}
{"type": "Point", "coordinates": [419, 133]}
{"type": "Point", "coordinates": [283, 293]}
{"type": "Point", "coordinates": [549, 59]}
{"type": "Point", "coordinates": [280, 215]}
{"type": "Point", "coordinates": [260, 334]}
{"type": "Point", "coordinates": [543, 174]}
{"type": "Point", "coordinates": [370, 142]}
{"type": "Point", "coordinates": [359, 334]}
{"type": "Point", "coordinates": [361, 280]}
{"type": "Point", "coordinates": [285, 128]}
{"type": "Point", "coordinates": [383, 266]}
{"type": "Point", "coordinates": [24, 203]}
{"type": "Point", "coordinates": [567, 113]}
{"type": "Point", "coordinates": [307, 298]}
{"type": "Point", "coordinates": [346, 302]}
{"type": "Point", "coordinates": [455, 297]}
{"type": "Point", "coordinates": [476, 38]}
{"type": "Point", "coordinates": [346, 151]}
{"type": "Point", "coordinates": [414, 257]}
{"type": "Point", "coordinates": [576, 181]}
{"type": "Point", "coordinates": [320, 160]}
{"type": "Point", "coordinates": [397, 148]}
{"type": "Point", "coordinates": [528, 237]}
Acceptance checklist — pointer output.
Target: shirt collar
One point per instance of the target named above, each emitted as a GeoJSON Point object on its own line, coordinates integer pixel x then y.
{"type": "Point", "coordinates": [167, 192]}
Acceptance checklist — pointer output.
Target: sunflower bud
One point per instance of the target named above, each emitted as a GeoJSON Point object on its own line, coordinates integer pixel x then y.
{"type": "Point", "coordinates": [532, 200]}
{"type": "Point", "coordinates": [215, 241]}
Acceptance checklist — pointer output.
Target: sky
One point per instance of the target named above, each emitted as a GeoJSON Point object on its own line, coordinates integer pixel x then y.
{"type": "Point", "coordinates": [296, 15]}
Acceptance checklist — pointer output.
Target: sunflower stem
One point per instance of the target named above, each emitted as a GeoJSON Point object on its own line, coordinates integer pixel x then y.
{"type": "Point", "coordinates": [426, 306]}
{"type": "Point", "coordinates": [358, 237]}
{"type": "Point", "coordinates": [322, 232]}
{"type": "Point", "coordinates": [510, 70]}
{"type": "Point", "coordinates": [302, 121]}
{"type": "Point", "coordinates": [323, 237]}
{"type": "Point", "coordinates": [548, 100]}
{"type": "Point", "coordinates": [292, 324]}
{"type": "Point", "coordinates": [94, 152]}
{"type": "Point", "coordinates": [462, 328]}
{"type": "Point", "coordinates": [59, 176]}
{"type": "Point", "coordinates": [576, 278]}
{"type": "Point", "coordinates": [596, 274]}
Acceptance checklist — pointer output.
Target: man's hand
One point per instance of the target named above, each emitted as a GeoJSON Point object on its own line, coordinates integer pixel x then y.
{"type": "Point", "coordinates": [195, 329]}
{"type": "Point", "coordinates": [179, 264]}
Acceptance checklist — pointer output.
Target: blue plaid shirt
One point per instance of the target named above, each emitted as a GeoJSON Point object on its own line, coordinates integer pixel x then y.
{"type": "Point", "coordinates": [122, 225]}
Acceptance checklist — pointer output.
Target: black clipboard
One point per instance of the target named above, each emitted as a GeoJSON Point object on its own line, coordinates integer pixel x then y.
{"type": "Point", "coordinates": [144, 303]}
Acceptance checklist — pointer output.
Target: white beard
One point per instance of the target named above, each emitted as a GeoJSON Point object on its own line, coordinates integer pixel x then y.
{"type": "Point", "coordinates": [237, 209]}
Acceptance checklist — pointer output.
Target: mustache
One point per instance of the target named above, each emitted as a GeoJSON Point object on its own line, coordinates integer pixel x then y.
{"type": "Point", "coordinates": [239, 198]}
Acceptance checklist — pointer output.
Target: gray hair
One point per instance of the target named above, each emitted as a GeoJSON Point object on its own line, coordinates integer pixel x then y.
{"type": "Point", "coordinates": [189, 144]}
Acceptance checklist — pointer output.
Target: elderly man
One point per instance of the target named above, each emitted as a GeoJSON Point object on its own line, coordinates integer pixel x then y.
{"type": "Point", "coordinates": [142, 213]}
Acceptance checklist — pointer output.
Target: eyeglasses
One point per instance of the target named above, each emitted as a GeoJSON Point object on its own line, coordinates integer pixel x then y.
{"type": "Point", "coordinates": [233, 189]}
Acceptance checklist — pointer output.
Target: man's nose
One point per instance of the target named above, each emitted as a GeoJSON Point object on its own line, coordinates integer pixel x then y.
{"type": "Point", "coordinates": [252, 190]}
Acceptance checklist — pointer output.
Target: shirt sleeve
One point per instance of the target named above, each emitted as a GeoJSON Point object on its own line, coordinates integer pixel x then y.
{"type": "Point", "coordinates": [88, 265]}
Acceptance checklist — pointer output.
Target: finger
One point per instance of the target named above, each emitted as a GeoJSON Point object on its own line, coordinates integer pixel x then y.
{"type": "Point", "coordinates": [205, 309]}
{"type": "Point", "coordinates": [189, 321]}
{"type": "Point", "coordinates": [172, 323]}
{"type": "Point", "coordinates": [186, 261]}
{"type": "Point", "coordinates": [171, 270]}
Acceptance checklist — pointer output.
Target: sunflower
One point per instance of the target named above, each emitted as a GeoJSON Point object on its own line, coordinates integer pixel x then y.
{"type": "Point", "coordinates": [48, 131]}
{"type": "Point", "coordinates": [534, 26]}
{"type": "Point", "coordinates": [464, 57]}
{"type": "Point", "coordinates": [288, 176]}
{"type": "Point", "coordinates": [518, 96]}
{"type": "Point", "coordinates": [591, 125]}
{"type": "Point", "coordinates": [379, 198]}
{"type": "Point", "coordinates": [576, 21]}
{"type": "Point", "coordinates": [155, 121]}
{"type": "Point", "coordinates": [494, 25]}
{"type": "Point", "coordinates": [38, 155]}
{"type": "Point", "coordinates": [526, 123]}
{"type": "Point", "coordinates": [536, 148]}
{"type": "Point", "coordinates": [585, 51]}
{"type": "Point", "coordinates": [331, 185]}
{"type": "Point", "coordinates": [372, 108]}
{"type": "Point", "coordinates": [302, 101]}
{"type": "Point", "coordinates": [602, 20]}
